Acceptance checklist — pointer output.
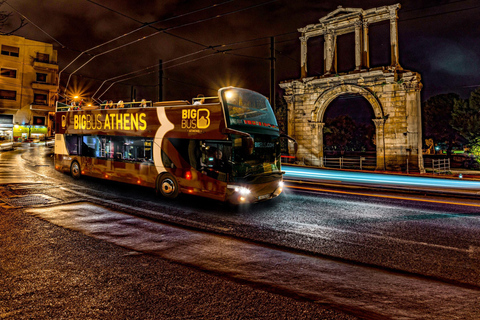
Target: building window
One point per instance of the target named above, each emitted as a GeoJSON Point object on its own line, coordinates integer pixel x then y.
{"type": "Point", "coordinates": [10, 51]}
{"type": "Point", "coordinates": [41, 77]}
{"type": "Point", "coordinates": [40, 98]}
{"type": "Point", "coordinates": [43, 57]}
{"type": "Point", "coordinates": [9, 73]}
{"type": "Point", "coordinates": [8, 94]}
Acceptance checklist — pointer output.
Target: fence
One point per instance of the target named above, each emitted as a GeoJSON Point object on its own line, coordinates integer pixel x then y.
{"type": "Point", "coordinates": [441, 166]}
{"type": "Point", "coordinates": [362, 163]}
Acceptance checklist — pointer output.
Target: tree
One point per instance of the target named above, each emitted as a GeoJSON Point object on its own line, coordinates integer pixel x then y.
{"type": "Point", "coordinates": [466, 117]}
{"type": "Point", "coordinates": [437, 114]}
{"type": "Point", "coordinates": [339, 132]}
{"type": "Point", "coordinates": [5, 21]}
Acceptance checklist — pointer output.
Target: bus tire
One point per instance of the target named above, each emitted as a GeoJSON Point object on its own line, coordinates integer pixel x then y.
{"type": "Point", "coordinates": [167, 186]}
{"type": "Point", "coordinates": [75, 170]}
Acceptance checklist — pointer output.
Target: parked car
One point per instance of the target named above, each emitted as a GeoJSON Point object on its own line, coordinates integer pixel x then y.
{"type": "Point", "coordinates": [6, 144]}
{"type": "Point", "coordinates": [49, 142]}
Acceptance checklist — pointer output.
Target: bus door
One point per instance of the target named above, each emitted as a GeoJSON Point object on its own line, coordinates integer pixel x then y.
{"type": "Point", "coordinates": [215, 165]}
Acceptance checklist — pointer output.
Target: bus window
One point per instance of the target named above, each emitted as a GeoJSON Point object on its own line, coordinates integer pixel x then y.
{"type": "Point", "coordinates": [216, 159]}
{"type": "Point", "coordinates": [72, 144]}
{"type": "Point", "coordinates": [90, 145]}
{"type": "Point", "coordinates": [137, 149]}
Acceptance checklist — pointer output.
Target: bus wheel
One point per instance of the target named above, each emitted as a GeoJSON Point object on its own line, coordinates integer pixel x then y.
{"type": "Point", "coordinates": [75, 170]}
{"type": "Point", "coordinates": [167, 186]}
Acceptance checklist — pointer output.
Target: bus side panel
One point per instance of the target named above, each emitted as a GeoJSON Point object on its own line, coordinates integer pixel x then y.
{"type": "Point", "coordinates": [60, 147]}
{"type": "Point", "coordinates": [62, 158]}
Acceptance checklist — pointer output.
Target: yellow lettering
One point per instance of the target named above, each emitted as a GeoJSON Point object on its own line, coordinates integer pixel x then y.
{"type": "Point", "coordinates": [134, 120]}
{"type": "Point", "coordinates": [119, 121]}
{"type": "Point", "coordinates": [89, 122]}
{"type": "Point", "coordinates": [84, 122]}
{"type": "Point", "coordinates": [107, 123]}
{"type": "Point", "coordinates": [193, 114]}
{"type": "Point", "coordinates": [184, 114]}
{"type": "Point", "coordinates": [142, 121]}
{"type": "Point", "coordinates": [126, 121]}
{"type": "Point", "coordinates": [99, 123]}
{"type": "Point", "coordinates": [112, 121]}
{"type": "Point", "coordinates": [75, 122]}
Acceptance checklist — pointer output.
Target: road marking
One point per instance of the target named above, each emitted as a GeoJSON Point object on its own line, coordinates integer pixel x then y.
{"type": "Point", "coordinates": [468, 251]}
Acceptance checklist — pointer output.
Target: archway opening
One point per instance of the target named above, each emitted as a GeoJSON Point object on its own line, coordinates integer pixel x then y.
{"type": "Point", "coordinates": [349, 133]}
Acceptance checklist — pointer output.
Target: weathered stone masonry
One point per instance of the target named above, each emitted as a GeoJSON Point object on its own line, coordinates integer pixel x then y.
{"type": "Point", "coordinates": [394, 93]}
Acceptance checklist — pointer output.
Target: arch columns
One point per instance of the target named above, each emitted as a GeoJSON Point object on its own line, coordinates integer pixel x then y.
{"type": "Point", "coordinates": [380, 142]}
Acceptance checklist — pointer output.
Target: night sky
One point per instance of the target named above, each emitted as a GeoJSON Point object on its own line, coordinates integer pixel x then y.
{"type": "Point", "coordinates": [216, 38]}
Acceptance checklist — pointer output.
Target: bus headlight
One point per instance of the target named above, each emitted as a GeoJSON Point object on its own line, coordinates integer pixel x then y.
{"type": "Point", "coordinates": [243, 191]}
{"type": "Point", "coordinates": [279, 189]}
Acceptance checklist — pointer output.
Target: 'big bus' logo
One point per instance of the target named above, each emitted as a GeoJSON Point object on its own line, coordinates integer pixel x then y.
{"type": "Point", "coordinates": [195, 118]}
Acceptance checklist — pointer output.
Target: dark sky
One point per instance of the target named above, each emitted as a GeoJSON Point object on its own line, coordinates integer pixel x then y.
{"type": "Point", "coordinates": [439, 39]}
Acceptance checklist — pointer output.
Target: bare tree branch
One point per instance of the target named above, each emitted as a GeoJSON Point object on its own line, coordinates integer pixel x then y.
{"type": "Point", "coordinates": [4, 21]}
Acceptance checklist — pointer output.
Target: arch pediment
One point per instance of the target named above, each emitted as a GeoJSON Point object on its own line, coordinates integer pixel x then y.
{"type": "Point", "coordinates": [341, 12]}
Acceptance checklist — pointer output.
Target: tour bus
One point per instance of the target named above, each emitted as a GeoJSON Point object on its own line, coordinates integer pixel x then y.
{"type": "Point", "coordinates": [225, 148]}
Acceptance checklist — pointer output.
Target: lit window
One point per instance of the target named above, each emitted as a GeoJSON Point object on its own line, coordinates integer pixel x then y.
{"type": "Point", "coordinates": [8, 95]}
{"type": "Point", "coordinates": [41, 77]}
{"type": "Point", "coordinates": [43, 57]}
{"type": "Point", "coordinates": [9, 73]}
{"type": "Point", "coordinates": [10, 51]}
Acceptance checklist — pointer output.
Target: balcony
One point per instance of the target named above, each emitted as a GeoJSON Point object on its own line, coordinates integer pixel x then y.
{"type": "Point", "coordinates": [45, 65]}
{"type": "Point", "coordinates": [44, 86]}
{"type": "Point", "coordinates": [42, 107]}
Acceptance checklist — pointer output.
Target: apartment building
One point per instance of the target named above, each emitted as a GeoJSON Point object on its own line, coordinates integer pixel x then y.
{"type": "Point", "coordinates": [28, 86]}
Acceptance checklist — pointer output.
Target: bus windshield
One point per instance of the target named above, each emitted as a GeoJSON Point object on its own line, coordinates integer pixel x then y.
{"type": "Point", "coordinates": [248, 111]}
{"type": "Point", "coordinates": [265, 157]}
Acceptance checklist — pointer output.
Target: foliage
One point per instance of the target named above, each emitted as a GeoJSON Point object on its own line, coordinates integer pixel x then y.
{"type": "Point", "coordinates": [466, 117]}
{"type": "Point", "coordinates": [437, 116]}
{"type": "Point", "coordinates": [475, 151]}
{"type": "Point", "coordinates": [344, 134]}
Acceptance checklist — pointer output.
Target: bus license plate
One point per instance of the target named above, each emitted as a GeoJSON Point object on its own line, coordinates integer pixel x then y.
{"type": "Point", "coordinates": [265, 196]}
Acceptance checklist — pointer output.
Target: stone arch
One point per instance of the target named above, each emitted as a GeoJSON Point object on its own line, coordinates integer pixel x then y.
{"type": "Point", "coordinates": [324, 100]}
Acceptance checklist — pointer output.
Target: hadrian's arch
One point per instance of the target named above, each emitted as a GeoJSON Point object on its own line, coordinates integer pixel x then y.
{"type": "Point", "coordinates": [393, 92]}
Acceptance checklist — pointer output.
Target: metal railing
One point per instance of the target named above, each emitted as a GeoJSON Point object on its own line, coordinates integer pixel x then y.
{"type": "Point", "coordinates": [361, 163]}
{"type": "Point", "coordinates": [441, 166]}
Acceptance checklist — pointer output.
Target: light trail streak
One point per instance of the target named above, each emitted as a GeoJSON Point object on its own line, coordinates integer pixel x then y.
{"type": "Point", "coordinates": [385, 179]}
{"type": "Point", "coordinates": [384, 196]}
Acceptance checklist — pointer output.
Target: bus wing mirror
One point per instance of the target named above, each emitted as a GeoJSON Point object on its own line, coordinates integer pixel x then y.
{"type": "Point", "coordinates": [295, 144]}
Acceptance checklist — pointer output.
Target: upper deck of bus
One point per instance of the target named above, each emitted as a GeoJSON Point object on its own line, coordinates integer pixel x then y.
{"type": "Point", "coordinates": [62, 107]}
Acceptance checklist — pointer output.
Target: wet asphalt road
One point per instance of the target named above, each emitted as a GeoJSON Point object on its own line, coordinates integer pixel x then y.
{"type": "Point", "coordinates": [394, 234]}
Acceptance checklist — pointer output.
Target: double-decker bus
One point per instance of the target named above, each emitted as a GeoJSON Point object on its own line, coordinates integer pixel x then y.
{"type": "Point", "coordinates": [226, 149]}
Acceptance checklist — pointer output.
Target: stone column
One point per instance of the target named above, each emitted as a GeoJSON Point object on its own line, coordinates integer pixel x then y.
{"type": "Point", "coordinates": [394, 37]}
{"type": "Point", "coordinates": [380, 142]}
{"type": "Point", "coordinates": [365, 53]}
{"type": "Point", "coordinates": [303, 56]}
{"type": "Point", "coordinates": [358, 45]}
{"type": "Point", "coordinates": [320, 126]}
{"type": "Point", "coordinates": [329, 52]}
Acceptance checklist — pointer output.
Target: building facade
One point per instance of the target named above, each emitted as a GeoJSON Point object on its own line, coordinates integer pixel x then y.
{"type": "Point", "coordinates": [28, 86]}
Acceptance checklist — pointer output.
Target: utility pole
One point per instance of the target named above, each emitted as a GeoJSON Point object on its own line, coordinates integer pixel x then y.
{"type": "Point", "coordinates": [133, 93]}
{"type": "Point", "coordinates": [160, 80]}
{"type": "Point", "coordinates": [272, 72]}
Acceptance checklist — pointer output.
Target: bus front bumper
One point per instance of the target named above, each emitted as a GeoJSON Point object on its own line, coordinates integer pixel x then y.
{"type": "Point", "coordinates": [238, 194]}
